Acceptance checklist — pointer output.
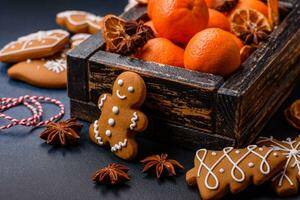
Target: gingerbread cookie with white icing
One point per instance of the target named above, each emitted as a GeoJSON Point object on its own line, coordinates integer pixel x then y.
{"type": "Point", "coordinates": [286, 182]}
{"type": "Point", "coordinates": [48, 73]}
{"type": "Point", "coordinates": [79, 21]}
{"type": "Point", "coordinates": [232, 170]}
{"type": "Point", "coordinates": [120, 117]}
{"type": "Point", "coordinates": [78, 38]}
{"type": "Point", "coordinates": [35, 45]}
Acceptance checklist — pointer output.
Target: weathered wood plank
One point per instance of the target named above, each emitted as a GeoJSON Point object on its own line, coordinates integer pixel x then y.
{"type": "Point", "coordinates": [264, 80]}
{"type": "Point", "coordinates": [160, 131]}
{"type": "Point", "coordinates": [77, 67]}
{"type": "Point", "coordinates": [180, 96]}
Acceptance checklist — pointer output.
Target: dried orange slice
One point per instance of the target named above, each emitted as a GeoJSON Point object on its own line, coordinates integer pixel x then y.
{"type": "Point", "coordinates": [113, 31]}
{"type": "Point", "coordinates": [123, 37]}
{"type": "Point", "coordinates": [273, 12]}
{"type": "Point", "coordinates": [250, 25]}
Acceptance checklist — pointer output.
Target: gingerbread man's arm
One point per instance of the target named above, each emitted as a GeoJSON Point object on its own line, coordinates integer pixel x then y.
{"type": "Point", "coordinates": [138, 121]}
{"type": "Point", "coordinates": [102, 99]}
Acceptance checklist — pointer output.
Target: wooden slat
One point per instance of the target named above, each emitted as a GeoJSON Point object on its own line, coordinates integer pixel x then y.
{"type": "Point", "coordinates": [246, 98]}
{"type": "Point", "coordinates": [77, 67]}
{"type": "Point", "coordinates": [160, 131]}
{"type": "Point", "coordinates": [180, 96]}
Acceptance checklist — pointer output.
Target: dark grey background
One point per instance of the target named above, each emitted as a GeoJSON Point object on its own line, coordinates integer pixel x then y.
{"type": "Point", "coordinates": [30, 169]}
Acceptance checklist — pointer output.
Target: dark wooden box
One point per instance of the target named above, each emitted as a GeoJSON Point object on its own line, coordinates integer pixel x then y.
{"type": "Point", "coordinates": [189, 108]}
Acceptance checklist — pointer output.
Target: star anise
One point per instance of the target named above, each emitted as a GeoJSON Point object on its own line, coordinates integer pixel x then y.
{"type": "Point", "coordinates": [123, 37]}
{"type": "Point", "coordinates": [112, 174]}
{"type": "Point", "coordinates": [161, 163]}
{"type": "Point", "coordinates": [225, 5]}
{"type": "Point", "coordinates": [62, 133]}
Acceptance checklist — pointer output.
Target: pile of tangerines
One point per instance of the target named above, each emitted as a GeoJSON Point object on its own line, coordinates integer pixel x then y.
{"type": "Point", "coordinates": [206, 35]}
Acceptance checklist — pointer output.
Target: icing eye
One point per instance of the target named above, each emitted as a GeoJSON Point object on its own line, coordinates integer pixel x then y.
{"type": "Point", "coordinates": [130, 89]}
{"type": "Point", "coordinates": [120, 82]}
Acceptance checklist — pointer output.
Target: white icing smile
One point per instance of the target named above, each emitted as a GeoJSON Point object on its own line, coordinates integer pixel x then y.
{"type": "Point", "coordinates": [122, 97]}
{"type": "Point", "coordinates": [119, 145]}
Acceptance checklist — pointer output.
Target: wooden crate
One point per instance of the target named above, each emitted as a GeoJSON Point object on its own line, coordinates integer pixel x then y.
{"type": "Point", "coordinates": [189, 108]}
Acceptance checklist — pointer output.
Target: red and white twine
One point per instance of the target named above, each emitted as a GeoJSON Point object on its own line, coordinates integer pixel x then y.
{"type": "Point", "coordinates": [33, 103]}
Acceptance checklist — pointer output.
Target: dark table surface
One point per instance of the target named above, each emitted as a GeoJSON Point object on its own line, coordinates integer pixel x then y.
{"type": "Point", "coordinates": [30, 169]}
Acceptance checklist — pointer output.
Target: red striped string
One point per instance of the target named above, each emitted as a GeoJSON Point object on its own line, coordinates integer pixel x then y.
{"type": "Point", "coordinates": [33, 103]}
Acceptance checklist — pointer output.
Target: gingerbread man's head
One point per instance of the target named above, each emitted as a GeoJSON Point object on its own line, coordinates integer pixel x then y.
{"type": "Point", "coordinates": [129, 89]}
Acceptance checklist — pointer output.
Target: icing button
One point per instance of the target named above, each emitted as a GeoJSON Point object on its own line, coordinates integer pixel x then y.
{"type": "Point", "coordinates": [130, 89]}
{"type": "Point", "coordinates": [221, 170]}
{"type": "Point", "coordinates": [250, 164]}
{"type": "Point", "coordinates": [108, 133]}
{"type": "Point", "coordinates": [111, 122]}
{"type": "Point", "coordinates": [275, 154]}
{"type": "Point", "coordinates": [213, 153]}
{"type": "Point", "coordinates": [115, 110]}
{"type": "Point", "coordinates": [120, 82]}
{"type": "Point", "coordinates": [237, 151]}
{"type": "Point", "coordinates": [260, 149]}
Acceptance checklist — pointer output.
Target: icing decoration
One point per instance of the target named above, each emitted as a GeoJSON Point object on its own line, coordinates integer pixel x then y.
{"type": "Point", "coordinates": [213, 153]}
{"type": "Point", "coordinates": [251, 164]}
{"type": "Point", "coordinates": [97, 136]}
{"type": "Point", "coordinates": [56, 65]}
{"type": "Point", "coordinates": [133, 121]}
{"type": "Point", "coordinates": [102, 101]}
{"type": "Point", "coordinates": [91, 19]}
{"type": "Point", "coordinates": [28, 60]}
{"type": "Point", "coordinates": [130, 89]}
{"type": "Point", "coordinates": [291, 149]}
{"type": "Point", "coordinates": [108, 133]}
{"type": "Point", "coordinates": [264, 165]}
{"type": "Point", "coordinates": [115, 110]}
{"type": "Point", "coordinates": [119, 146]}
{"type": "Point", "coordinates": [221, 171]}
{"type": "Point", "coordinates": [111, 122]}
{"type": "Point", "coordinates": [122, 97]}
{"type": "Point", "coordinates": [120, 82]}
{"type": "Point", "coordinates": [26, 41]}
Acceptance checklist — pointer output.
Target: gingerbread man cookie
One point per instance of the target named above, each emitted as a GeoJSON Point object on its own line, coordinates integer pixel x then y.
{"type": "Point", "coordinates": [79, 21]}
{"type": "Point", "coordinates": [233, 170]}
{"type": "Point", "coordinates": [120, 118]}
{"type": "Point", "coordinates": [286, 182]}
{"type": "Point", "coordinates": [35, 45]}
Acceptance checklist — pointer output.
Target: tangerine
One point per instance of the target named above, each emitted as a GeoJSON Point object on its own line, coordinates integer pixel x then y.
{"type": "Point", "coordinates": [253, 4]}
{"type": "Point", "coordinates": [179, 20]}
{"type": "Point", "coordinates": [161, 50]}
{"type": "Point", "coordinates": [238, 41]}
{"type": "Point", "coordinates": [150, 6]}
{"type": "Point", "coordinates": [218, 20]}
{"type": "Point", "coordinates": [212, 51]}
